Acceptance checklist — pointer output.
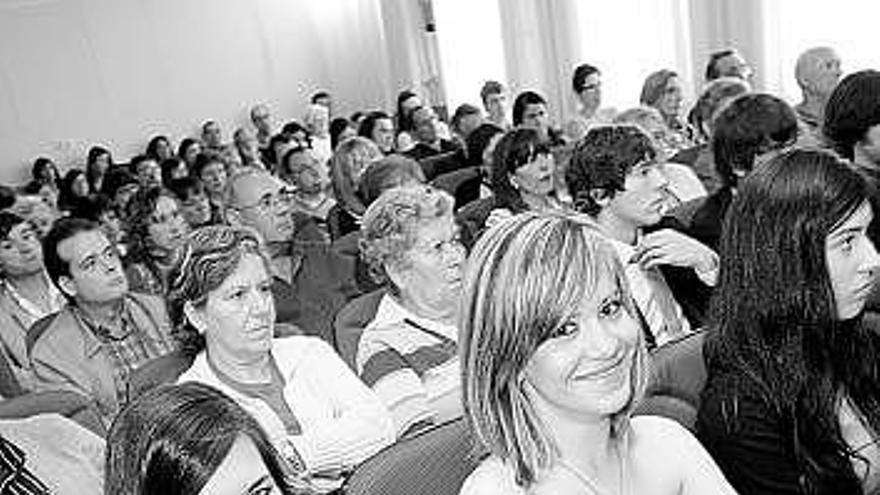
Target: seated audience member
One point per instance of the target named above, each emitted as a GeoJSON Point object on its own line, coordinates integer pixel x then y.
{"type": "Point", "coordinates": [188, 150]}
{"type": "Point", "coordinates": [310, 282]}
{"type": "Point", "coordinates": [278, 146]}
{"type": "Point", "coordinates": [324, 99]}
{"type": "Point", "coordinates": [159, 148]}
{"type": "Point", "coordinates": [156, 229]}
{"type": "Point", "coordinates": [749, 126]}
{"type": "Point", "coordinates": [530, 111]}
{"type": "Point", "coordinates": [191, 439]}
{"type": "Point", "coordinates": [715, 96]}
{"type": "Point", "coordinates": [347, 166]}
{"type": "Point", "coordinates": [104, 332]}
{"type": "Point", "coordinates": [684, 185]}
{"type": "Point", "coordinates": [428, 142]}
{"type": "Point", "coordinates": [212, 137]}
{"type": "Point", "coordinates": [45, 171]}
{"type": "Point", "coordinates": [173, 168]}
{"type": "Point", "coordinates": [98, 162]}
{"type": "Point", "coordinates": [317, 122]}
{"type": "Point", "coordinates": [464, 121]}
{"type": "Point", "coordinates": [407, 101]}
{"type": "Point", "coordinates": [101, 210]}
{"type": "Point", "coordinates": [728, 63]}
{"type": "Point", "coordinates": [616, 179]}
{"type": "Point", "coordinates": [553, 365]}
{"type": "Point", "coordinates": [586, 82]}
{"type": "Point", "coordinates": [791, 403]}
{"type": "Point", "coordinates": [193, 203]}
{"type": "Point", "coordinates": [494, 99]}
{"type": "Point", "coordinates": [50, 454]}
{"type": "Point", "coordinates": [74, 188]}
{"type": "Point", "coordinates": [248, 148]}
{"type": "Point", "coordinates": [408, 353]}
{"type": "Point", "coordinates": [378, 127]}
{"type": "Point", "coordinates": [852, 121]}
{"type": "Point", "coordinates": [261, 117]}
{"type": "Point", "coordinates": [297, 133]}
{"type": "Point", "coordinates": [341, 129]}
{"type": "Point", "coordinates": [817, 72]}
{"type": "Point", "coordinates": [662, 90]}
{"type": "Point", "coordinates": [26, 293]}
{"type": "Point", "coordinates": [523, 178]}
{"type": "Point", "coordinates": [120, 185]}
{"type": "Point", "coordinates": [211, 172]}
{"type": "Point", "coordinates": [480, 145]}
{"type": "Point", "coordinates": [297, 388]}
{"type": "Point", "coordinates": [146, 170]}
{"type": "Point", "coordinates": [38, 212]}
{"type": "Point", "coordinates": [46, 192]}
{"type": "Point", "coordinates": [309, 182]}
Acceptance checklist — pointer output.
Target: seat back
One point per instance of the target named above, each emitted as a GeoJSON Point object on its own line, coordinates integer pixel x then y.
{"type": "Point", "coordinates": [435, 461]}
{"type": "Point", "coordinates": [158, 371]}
{"type": "Point", "coordinates": [678, 376]}
{"type": "Point", "coordinates": [351, 321]}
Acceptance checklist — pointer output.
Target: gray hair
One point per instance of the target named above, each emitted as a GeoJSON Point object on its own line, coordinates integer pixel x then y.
{"type": "Point", "coordinates": [390, 225]}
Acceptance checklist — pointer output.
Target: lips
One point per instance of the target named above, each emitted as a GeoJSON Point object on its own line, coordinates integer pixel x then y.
{"type": "Point", "coordinates": [607, 369]}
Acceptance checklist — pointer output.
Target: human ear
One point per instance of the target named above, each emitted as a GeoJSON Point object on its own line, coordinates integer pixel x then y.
{"type": "Point", "coordinates": [194, 317]}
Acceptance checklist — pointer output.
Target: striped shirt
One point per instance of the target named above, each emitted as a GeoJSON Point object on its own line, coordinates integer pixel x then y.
{"type": "Point", "coordinates": [412, 365]}
{"type": "Point", "coordinates": [15, 478]}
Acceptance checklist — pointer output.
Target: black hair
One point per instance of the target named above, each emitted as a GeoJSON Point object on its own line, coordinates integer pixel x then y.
{"type": "Point", "coordinates": [337, 127]}
{"type": "Point", "coordinates": [477, 141]}
{"type": "Point", "coordinates": [523, 100]}
{"type": "Point", "coordinates": [775, 318]}
{"type": "Point", "coordinates": [580, 75]}
{"type": "Point", "coordinates": [184, 187]}
{"type": "Point", "coordinates": [602, 160]}
{"type": "Point", "coordinates": [404, 118]}
{"type": "Point", "coordinates": [202, 162]}
{"type": "Point", "coordinates": [750, 125]}
{"type": "Point", "coordinates": [852, 109]}
{"type": "Point", "coordinates": [168, 167]}
{"type": "Point", "coordinates": [368, 124]}
{"type": "Point", "coordinates": [172, 439]}
{"type": "Point", "coordinates": [490, 88]}
{"type": "Point", "coordinates": [712, 71]}
{"type": "Point", "coordinates": [8, 220]}
{"type": "Point", "coordinates": [184, 146]}
{"type": "Point", "coordinates": [517, 148]}
{"type": "Point", "coordinates": [42, 163]}
{"type": "Point", "coordinates": [318, 95]}
{"type": "Point", "coordinates": [64, 228]}
{"type": "Point", "coordinates": [153, 146]}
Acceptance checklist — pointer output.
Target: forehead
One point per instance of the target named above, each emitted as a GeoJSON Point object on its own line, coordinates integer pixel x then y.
{"type": "Point", "coordinates": [534, 109]}
{"type": "Point", "coordinates": [434, 229]}
{"type": "Point", "coordinates": [858, 219]}
{"type": "Point", "coordinates": [252, 187]}
{"type": "Point", "coordinates": [251, 269]}
{"type": "Point", "coordinates": [165, 205]}
{"type": "Point", "coordinates": [16, 230]}
{"type": "Point", "coordinates": [82, 244]}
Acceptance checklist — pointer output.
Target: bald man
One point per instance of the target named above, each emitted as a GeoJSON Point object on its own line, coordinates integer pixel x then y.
{"type": "Point", "coordinates": [817, 72]}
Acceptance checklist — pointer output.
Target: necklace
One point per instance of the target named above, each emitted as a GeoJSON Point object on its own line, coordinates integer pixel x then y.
{"type": "Point", "coordinates": [591, 485]}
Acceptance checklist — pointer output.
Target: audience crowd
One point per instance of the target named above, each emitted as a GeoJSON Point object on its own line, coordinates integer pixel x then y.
{"type": "Point", "coordinates": [658, 300]}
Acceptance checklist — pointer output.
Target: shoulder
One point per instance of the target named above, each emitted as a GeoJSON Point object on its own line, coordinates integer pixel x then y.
{"type": "Point", "coordinates": [58, 330]}
{"type": "Point", "coordinates": [491, 477]}
{"type": "Point", "coordinates": [152, 303]}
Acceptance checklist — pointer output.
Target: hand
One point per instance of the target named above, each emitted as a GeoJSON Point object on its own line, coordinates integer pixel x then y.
{"type": "Point", "coordinates": [669, 247]}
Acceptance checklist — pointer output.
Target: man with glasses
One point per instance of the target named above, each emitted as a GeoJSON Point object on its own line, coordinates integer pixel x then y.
{"type": "Point", "coordinates": [310, 282]}
{"type": "Point", "coordinates": [105, 332]}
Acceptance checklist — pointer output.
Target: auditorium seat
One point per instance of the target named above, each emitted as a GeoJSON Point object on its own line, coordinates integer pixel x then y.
{"type": "Point", "coordinates": [351, 321]}
{"type": "Point", "coordinates": [435, 461]}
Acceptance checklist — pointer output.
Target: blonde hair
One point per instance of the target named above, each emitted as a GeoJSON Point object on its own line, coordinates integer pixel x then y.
{"type": "Point", "coordinates": [525, 278]}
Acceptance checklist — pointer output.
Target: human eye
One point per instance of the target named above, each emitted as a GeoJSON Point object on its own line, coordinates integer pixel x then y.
{"type": "Point", "coordinates": [266, 287]}
{"type": "Point", "coordinates": [611, 308]}
{"type": "Point", "coordinates": [237, 294]}
{"type": "Point", "coordinates": [566, 329]}
{"type": "Point", "coordinates": [88, 263]}
{"type": "Point", "coordinates": [848, 242]}
{"type": "Point", "coordinates": [6, 245]}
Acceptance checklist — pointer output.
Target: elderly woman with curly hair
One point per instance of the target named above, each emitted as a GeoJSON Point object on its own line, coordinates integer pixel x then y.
{"type": "Point", "coordinates": [553, 363]}
{"type": "Point", "coordinates": [408, 354]}
{"type": "Point", "coordinates": [156, 228]}
{"type": "Point", "coordinates": [300, 391]}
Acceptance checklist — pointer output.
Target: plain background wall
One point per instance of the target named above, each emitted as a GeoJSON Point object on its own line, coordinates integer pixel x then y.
{"type": "Point", "coordinates": [114, 72]}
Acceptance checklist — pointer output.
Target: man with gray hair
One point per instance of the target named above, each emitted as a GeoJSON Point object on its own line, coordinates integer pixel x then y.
{"type": "Point", "coordinates": [817, 72]}
{"type": "Point", "coordinates": [310, 282]}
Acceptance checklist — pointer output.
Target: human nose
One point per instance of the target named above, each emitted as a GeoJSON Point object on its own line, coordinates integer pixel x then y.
{"type": "Point", "coordinates": [871, 262]}
{"type": "Point", "coordinates": [261, 304]}
{"type": "Point", "coordinates": [658, 176]}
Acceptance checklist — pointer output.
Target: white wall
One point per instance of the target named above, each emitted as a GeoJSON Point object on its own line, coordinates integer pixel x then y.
{"type": "Point", "coordinates": [79, 72]}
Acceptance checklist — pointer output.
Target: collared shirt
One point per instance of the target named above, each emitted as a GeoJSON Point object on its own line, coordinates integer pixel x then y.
{"type": "Point", "coordinates": [653, 298]}
{"type": "Point", "coordinates": [55, 298]}
{"type": "Point", "coordinates": [412, 364]}
{"type": "Point", "coordinates": [136, 339]}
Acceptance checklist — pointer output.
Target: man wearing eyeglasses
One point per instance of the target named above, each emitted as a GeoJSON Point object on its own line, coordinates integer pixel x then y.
{"type": "Point", "coordinates": [310, 282]}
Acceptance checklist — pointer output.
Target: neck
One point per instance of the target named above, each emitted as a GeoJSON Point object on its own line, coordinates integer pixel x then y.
{"type": "Point", "coordinates": [536, 202]}
{"type": "Point", "coordinates": [102, 313]}
{"type": "Point", "coordinates": [251, 369]}
{"type": "Point", "coordinates": [616, 228]}
{"type": "Point", "coordinates": [32, 284]}
{"type": "Point", "coordinates": [447, 314]}
{"type": "Point", "coordinates": [584, 442]}
{"type": "Point", "coordinates": [814, 103]}
{"type": "Point", "coordinates": [863, 161]}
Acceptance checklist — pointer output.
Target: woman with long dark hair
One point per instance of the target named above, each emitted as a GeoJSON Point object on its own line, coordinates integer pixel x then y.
{"type": "Point", "coordinates": [792, 403]}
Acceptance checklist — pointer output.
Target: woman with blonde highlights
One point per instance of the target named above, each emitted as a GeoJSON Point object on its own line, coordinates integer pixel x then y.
{"type": "Point", "coordinates": [553, 364]}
